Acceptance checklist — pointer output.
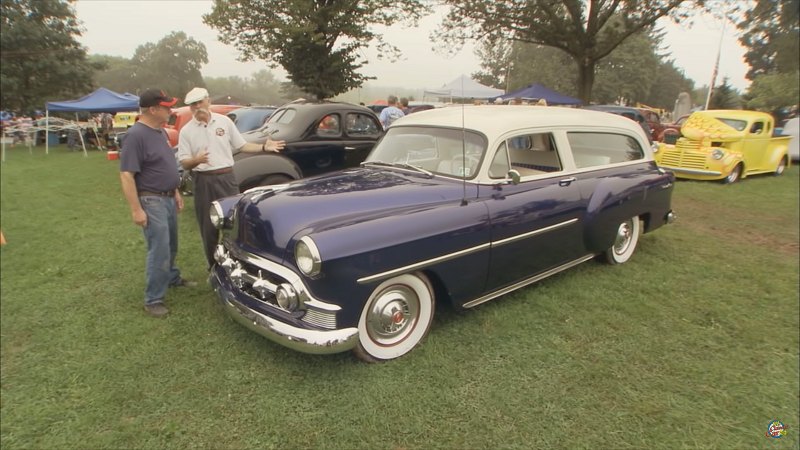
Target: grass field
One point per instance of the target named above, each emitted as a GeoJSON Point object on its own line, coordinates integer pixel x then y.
{"type": "Point", "coordinates": [695, 343]}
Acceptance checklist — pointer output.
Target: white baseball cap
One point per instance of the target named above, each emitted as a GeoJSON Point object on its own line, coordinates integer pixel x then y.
{"type": "Point", "coordinates": [195, 95]}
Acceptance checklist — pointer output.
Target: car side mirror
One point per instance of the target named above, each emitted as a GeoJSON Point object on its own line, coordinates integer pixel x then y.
{"type": "Point", "coordinates": [513, 176]}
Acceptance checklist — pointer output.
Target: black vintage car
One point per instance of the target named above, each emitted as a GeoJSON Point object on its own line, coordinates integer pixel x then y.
{"type": "Point", "coordinates": [320, 137]}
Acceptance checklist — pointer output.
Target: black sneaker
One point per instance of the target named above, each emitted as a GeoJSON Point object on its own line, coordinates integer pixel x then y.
{"type": "Point", "coordinates": [156, 309]}
{"type": "Point", "coordinates": [183, 282]}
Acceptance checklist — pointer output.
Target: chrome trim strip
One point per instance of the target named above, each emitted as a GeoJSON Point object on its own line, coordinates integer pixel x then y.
{"type": "Point", "coordinates": [422, 264]}
{"type": "Point", "coordinates": [533, 233]}
{"type": "Point", "coordinates": [443, 258]}
{"type": "Point", "coordinates": [526, 282]}
{"type": "Point", "coordinates": [692, 171]}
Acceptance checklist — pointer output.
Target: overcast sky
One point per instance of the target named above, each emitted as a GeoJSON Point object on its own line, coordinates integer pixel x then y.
{"type": "Point", "coordinates": [118, 27]}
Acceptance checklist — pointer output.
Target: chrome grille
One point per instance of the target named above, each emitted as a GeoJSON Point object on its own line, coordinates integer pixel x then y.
{"type": "Point", "coordinates": [322, 319]}
{"type": "Point", "coordinates": [685, 154]}
{"type": "Point", "coordinates": [261, 284]}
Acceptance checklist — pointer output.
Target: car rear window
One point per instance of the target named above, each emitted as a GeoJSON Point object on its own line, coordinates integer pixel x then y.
{"type": "Point", "coordinates": [598, 149]}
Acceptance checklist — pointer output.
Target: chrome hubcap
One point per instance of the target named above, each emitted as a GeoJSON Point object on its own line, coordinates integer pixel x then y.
{"type": "Point", "coordinates": [624, 235]}
{"type": "Point", "coordinates": [393, 315]}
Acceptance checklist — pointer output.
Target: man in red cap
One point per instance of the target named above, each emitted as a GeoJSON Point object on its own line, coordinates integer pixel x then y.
{"type": "Point", "coordinates": [149, 176]}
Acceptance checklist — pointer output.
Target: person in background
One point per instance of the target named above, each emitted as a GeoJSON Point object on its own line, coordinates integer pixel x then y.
{"type": "Point", "coordinates": [404, 105]}
{"type": "Point", "coordinates": [205, 146]}
{"type": "Point", "coordinates": [391, 112]}
{"type": "Point", "coordinates": [149, 178]}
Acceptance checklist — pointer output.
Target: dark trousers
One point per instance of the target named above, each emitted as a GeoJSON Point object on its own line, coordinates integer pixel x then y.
{"type": "Point", "coordinates": [208, 188]}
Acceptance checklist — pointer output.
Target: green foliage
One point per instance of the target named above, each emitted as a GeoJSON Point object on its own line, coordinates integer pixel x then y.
{"type": "Point", "coordinates": [173, 64]}
{"type": "Point", "coordinates": [586, 34]}
{"type": "Point", "coordinates": [633, 71]}
{"type": "Point", "coordinates": [318, 42]}
{"type": "Point", "coordinates": [725, 96]}
{"type": "Point", "coordinates": [771, 33]}
{"type": "Point", "coordinates": [691, 344]}
{"type": "Point", "coordinates": [115, 73]}
{"type": "Point", "coordinates": [260, 89]}
{"type": "Point", "coordinates": [40, 59]}
{"type": "Point", "coordinates": [769, 92]}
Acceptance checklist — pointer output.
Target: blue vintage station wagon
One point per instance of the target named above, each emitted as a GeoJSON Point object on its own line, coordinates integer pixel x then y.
{"type": "Point", "coordinates": [458, 205]}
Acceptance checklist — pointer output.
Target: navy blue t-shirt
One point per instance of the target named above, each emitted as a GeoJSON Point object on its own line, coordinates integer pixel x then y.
{"type": "Point", "coordinates": [147, 154]}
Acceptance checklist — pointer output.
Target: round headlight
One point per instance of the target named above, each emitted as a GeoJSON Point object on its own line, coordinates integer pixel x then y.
{"type": "Point", "coordinates": [717, 153]}
{"type": "Point", "coordinates": [307, 257]}
{"type": "Point", "coordinates": [216, 215]}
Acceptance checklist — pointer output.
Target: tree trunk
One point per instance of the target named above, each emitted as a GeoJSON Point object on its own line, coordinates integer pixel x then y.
{"type": "Point", "coordinates": [585, 78]}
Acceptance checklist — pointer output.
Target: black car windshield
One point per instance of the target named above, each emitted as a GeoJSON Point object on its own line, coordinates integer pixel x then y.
{"type": "Point", "coordinates": [443, 151]}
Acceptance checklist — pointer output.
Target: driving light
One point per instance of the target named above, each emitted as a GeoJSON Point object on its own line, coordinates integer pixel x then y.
{"type": "Point", "coordinates": [717, 153]}
{"type": "Point", "coordinates": [287, 297]}
{"type": "Point", "coordinates": [307, 257]}
{"type": "Point", "coordinates": [216, 215]}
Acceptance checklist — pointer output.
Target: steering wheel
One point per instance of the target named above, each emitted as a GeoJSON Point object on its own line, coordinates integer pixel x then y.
{"type": "Point", "coordinates": [464, 165]}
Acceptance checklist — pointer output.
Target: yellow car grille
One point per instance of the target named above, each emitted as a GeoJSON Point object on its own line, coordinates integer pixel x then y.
{"type": "Point", "coordinates": [685, 154]}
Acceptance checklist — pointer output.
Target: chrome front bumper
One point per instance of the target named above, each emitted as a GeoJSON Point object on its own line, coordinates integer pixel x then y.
{"type": "Point", "coordinates": [300, 339]}
{"type": "Point", "coordinates": [692, 171]}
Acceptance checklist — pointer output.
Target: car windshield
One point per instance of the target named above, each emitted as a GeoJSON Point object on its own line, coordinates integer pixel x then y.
{"type": "Point", "coordinates": [738, 125]}
{"type": "Point", "coordinates": [282, 116]}
{"type": "Point", "coordinates": [443, 151]}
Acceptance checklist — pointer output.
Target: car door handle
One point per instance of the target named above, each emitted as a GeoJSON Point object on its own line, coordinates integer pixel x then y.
{"type": "Point", "coordinates": [567, 181]}
{"type": "Point", "coordinates": [349, 148]}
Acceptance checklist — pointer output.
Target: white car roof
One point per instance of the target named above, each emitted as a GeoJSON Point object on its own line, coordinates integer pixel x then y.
{"type": "Point", "coordinates": [496, 120]}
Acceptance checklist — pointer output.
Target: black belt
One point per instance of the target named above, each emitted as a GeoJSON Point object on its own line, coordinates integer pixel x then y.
{"type": "Point", "coordinates": [157, 193]}
{"type": "Point", "coordinates": [215, 172]}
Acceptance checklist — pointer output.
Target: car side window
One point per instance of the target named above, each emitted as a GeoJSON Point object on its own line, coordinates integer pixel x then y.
{"type": "Point", "coordinates": [329, 126]}
{"type": "Point", "coordinates": [500, 164]}
{"type": "Point", "coordinates": [599, 149]}
{"type": "Point", "coordinates": [757, 127]}
{"type": "Point", "coordinates": [361, 125]}
{"type": "Point", "coordinates": [533, 154]}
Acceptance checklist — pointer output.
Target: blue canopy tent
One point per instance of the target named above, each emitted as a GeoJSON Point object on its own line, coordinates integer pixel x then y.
{"type": "Point", "coordinates": [537, 92]}
{"type": "Point", "coordinates": [101, 100]}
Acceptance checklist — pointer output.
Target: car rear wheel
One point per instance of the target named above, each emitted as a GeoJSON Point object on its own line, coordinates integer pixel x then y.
{"type": "Point", "coordinates": [734, 176]}
{"type": "Point", "coordinates": [395, 319]}
{"type": "Point", "coordinates": [625, 242]}
{"type": "Point", "coordinates": [781, 167]}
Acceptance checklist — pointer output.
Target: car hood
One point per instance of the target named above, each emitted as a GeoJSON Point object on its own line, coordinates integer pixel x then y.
{"type": "Point", "coordinates": [267, 223]}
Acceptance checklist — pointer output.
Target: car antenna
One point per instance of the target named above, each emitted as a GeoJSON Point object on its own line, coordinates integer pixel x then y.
{"type": "Point", "coordinates": [463, 151]}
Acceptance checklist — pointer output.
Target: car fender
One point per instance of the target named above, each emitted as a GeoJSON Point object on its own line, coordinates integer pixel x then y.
{"type": "Point", "coordinates": [258, 166]}
{"type": "Point", "coordinates": [611, 201]}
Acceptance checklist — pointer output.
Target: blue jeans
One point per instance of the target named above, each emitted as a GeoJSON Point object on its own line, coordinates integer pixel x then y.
{"type": "Point", "coordinates": [161, 235]}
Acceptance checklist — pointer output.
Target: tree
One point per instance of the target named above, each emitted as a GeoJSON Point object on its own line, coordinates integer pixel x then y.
{"type": "Point", "coordinates": [40, 59]}
{"type": "Point", "coordinates": [582, 29]}
{"type": "Point", "coordinates": [173, 64]}
{"type": "Point", "coordinates": [114, 72]}
{"type": "Point", "coordinates": [318, 42]}
{"type": "Point", "coordinates": [771, 92]}
{"type": "Point", "coordinates": [771, 33]}
{"type": "Point", "coordinates": [725, 96]}
{"type": "Point", "coordinates": [668, 83]}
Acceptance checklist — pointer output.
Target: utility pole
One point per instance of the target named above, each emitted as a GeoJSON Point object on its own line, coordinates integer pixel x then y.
{"type": "Point", "coordinates": [716, 64]}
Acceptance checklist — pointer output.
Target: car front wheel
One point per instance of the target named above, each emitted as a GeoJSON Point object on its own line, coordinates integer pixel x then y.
{"type": "Point", "coordinates": [781, 167]}
{"type": "Point", "coordinates": [625, 242]}
{"type": "Point", "coordinates": [734, 176]}
{"type": "Point", "coordinates": [395, 319]}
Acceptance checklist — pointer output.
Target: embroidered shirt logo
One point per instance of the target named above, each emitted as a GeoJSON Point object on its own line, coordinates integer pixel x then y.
{"type": "Point", "coordinates": [220, 132]}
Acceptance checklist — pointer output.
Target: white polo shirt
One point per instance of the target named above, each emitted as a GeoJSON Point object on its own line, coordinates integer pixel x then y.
{"type": "Point", "coordinates": [219, 137]}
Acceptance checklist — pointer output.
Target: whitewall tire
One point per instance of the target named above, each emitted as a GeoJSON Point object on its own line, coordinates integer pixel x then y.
{"type": "Point", "coordinates": [627, 237]}
{"type": "Point", "coordinates": [396, 317]}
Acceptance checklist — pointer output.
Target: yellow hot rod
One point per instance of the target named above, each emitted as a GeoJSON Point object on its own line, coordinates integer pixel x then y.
{"type": "Point", "coordinates": [725, 145]}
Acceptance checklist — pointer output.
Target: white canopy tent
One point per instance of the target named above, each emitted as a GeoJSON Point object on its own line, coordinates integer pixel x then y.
{"type": "Point", "coordinates": [49, 124]}
{"type": "Point", "coordinates": [463, 87]}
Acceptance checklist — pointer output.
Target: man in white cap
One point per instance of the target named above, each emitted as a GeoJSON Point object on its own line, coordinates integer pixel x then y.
{"type": "Point", "coordinates": [205, 146]}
